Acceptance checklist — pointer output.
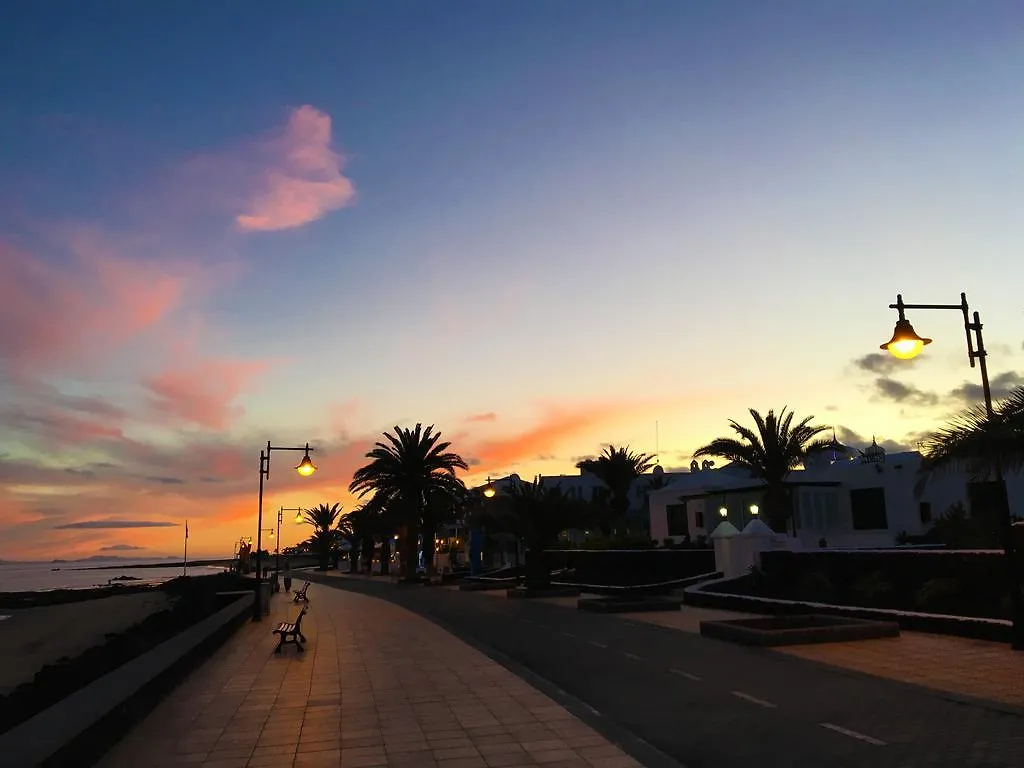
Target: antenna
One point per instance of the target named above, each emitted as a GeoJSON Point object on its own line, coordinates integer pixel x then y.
{"type": "Point", "coordinates": [657, 453]}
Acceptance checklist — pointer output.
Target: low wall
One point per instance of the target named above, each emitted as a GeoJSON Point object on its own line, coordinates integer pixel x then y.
{"type": "Point", "coordinates": [81, 727]}
{"type": "Point", "coordinates": [714, 595]}
{"type": "Point", "coordinates": [629, 567]}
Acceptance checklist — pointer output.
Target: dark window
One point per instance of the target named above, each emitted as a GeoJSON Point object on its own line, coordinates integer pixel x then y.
{"type": "Point", "coordinates": [678, 525]}
{"type": "Point", "coordinates": [925, 508]}
{"type": "Point", "coordinates": [867, 508]}
{"type": "Point", "coordinates": [698, 519]}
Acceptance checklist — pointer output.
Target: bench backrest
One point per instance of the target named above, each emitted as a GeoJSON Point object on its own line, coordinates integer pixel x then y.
{"type": "Point", "coordinates": [298, 619]}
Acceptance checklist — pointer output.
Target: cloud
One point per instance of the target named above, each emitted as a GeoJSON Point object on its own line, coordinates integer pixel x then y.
{"type": "Point", "coordinates": [478, 418]}
{"type": "Point", "coordinates": [203, 392]}
{"type": "Point", "coordinates": [1002, 386]}
{"type": "Point", "coordinates": [121, 548]}
{"type": "Point", "coordinates": [904, 393]}
{"type": "Point", "coordinates": [111, 523]}
{"type": "Point", "coordinates": [79, 311]}
{"type": "Point", "coordinates": [305, 180]}
{"type": "Point", "coordinates": [877, 362]}
{"type": "Point", "coordinates": [165, 480]}
{"type": "Point", "coordinates": [853, 439]}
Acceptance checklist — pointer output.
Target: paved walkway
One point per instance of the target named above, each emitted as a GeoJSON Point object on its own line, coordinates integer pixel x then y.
{"type": "Point", "coordinates": [377, 686]}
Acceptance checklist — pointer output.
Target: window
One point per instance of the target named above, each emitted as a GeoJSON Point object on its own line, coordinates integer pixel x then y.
{"type": "Point", "coordinates": [678, 525]}
{"type": "Point", "coordinates": [817, 510]}
{"type": "Point", "coordinates": [925, 508]}
{"type": "Point", "coordinates": [867, 508]}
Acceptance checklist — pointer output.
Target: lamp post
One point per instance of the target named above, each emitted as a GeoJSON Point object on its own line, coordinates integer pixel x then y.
{"type": "Point", "coordinates": [304, 468]}
{"type": "Point", "coordinates": [280, 516]}
{"type": "Point", "coordinates": [905, 344]}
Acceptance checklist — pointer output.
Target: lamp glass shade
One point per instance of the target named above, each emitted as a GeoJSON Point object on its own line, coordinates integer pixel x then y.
{"type": "Point", "coordinates": [905, 344]}
{"type": "Point", "coordinates": [754, 509]}
{"type": "Point", "coordinates": [270, 534]}
{"type": "Point", "coordinates": [298, 518]}
{"type": "Point", "coordinates": [489, 491]}
{"type": "Point", "coordinates": [723, 511]}
{"type": "Point", "coordinates": [306, 467]}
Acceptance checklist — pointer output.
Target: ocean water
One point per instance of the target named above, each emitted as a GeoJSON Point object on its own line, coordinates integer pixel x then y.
{"type": "Point", "coordinates": [32, 577]}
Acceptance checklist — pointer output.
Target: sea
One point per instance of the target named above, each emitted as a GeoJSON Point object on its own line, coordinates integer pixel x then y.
{"type": "Point", "coordinates": [84, 574]}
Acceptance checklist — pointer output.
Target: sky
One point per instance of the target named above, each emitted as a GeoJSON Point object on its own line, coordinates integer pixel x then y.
{"type": "Point", "coordinates": [543, 226]}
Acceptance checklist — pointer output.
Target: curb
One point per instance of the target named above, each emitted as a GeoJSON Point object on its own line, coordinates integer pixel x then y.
{"type": "Point", "coordinates": [639, 749]}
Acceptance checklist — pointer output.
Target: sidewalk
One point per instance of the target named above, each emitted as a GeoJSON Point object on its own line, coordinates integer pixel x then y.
{"type": "Point", "coordinates": [377, 686]}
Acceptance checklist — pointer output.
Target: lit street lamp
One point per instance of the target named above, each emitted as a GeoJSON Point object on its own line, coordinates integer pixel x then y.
{"type": "Point", "coordinates": [277, 553]}
{"type": "Point", "coordinates": [304, 468]}
{"type": "Point", "coordinates": [906, 344]}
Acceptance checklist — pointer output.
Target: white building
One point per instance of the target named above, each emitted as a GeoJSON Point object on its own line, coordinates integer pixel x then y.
{"type": "Point", "coordinates": [858, 502]}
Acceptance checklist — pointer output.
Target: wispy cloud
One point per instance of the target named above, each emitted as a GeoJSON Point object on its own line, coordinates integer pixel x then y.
{"type": "Point", "coordinates": [204, 391]}
{"type": "Point", "coordinates": [478, 418]}
{"type": "Point", "coordinates": [111, 523]}
{"type": "Point", "coordinates": [121, 548]}
{"type": "Point", "coordinates": [305, 180]}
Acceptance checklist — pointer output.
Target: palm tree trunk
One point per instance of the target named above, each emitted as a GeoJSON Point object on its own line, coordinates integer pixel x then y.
{"type": "Point", "coordinates": [429, 534]}
{"type": "Point", "coordinates": [385, 556]}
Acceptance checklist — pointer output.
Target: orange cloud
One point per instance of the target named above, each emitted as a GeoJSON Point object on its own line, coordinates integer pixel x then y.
{"type": "Point", "coordinates": [204, 392]}
{"type": "Point", "coordinates": [305, 181]}
{"type": "Point", "coordinates": [78, 311]}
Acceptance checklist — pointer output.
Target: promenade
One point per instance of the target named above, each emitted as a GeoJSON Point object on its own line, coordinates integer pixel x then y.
{"type": "Point", "coordinates": [377, 686]}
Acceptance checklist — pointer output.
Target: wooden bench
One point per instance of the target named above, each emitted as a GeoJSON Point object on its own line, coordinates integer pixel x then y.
{"type": "Point", "coordinates": [291, 633]}
{"type": "Point", "coordinates": [300, 594]}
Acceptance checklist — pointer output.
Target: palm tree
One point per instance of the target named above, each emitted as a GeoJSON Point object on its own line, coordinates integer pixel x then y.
{"type": "Point", "coordinates": [770, 453]}
{"type": "Point", "coordinates": [535, 514]}
{"type": "Point", "coordinates": [324, 519]}
{"type": "Point", "coordinates": [617, 468]}
{"type": "Point", "coordinates": [976, 443]}
{"type": "Point", "coordinates": [403, 471]}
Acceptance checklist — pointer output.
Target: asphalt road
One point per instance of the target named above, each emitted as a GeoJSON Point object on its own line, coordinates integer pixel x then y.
{"type": "Point", "coordinates": [709, 703]}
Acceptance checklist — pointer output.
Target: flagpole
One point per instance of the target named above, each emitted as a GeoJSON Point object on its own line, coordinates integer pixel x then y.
{"type": "Point", "coordinates": [184, 565]}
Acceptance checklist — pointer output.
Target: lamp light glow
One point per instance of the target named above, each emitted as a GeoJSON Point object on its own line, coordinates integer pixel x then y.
{"type": "Point", "coordinates": [723, 511]}
{"type": "Point", "coordinates": [489, 490]}
{"type": "Point", "coordinates": [754, 509]}
{"type": "Point", "coordinates": [298, 518]}
{"type": "Point", "coordinates": [905, 344]}
{"type": "Point", "coordinates": [306, 466]}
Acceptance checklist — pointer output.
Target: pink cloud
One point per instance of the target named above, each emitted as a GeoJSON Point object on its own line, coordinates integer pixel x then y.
{"type": "Point", "coordinates": [61, 314]}
{"type": "Point", "coordinates": [204, 392]}
{"type": "Point", "coordinates": [305, 181]}
{"type": "Point", "coordinates": [478, 418]}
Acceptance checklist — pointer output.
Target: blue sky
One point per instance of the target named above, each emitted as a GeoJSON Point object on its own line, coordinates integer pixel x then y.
{"type": "Point", "coordinates": [574, 218]}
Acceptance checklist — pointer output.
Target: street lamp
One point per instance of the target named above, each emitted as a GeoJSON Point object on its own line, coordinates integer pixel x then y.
{"type": "Point", "coordinates": [906, 344]}
{"type": "Point", "coordinates": [489, 490]}
{"type": "Point", "coordinates": [305, 468]}
{"type": "Point", "coordinates": [280, 516]}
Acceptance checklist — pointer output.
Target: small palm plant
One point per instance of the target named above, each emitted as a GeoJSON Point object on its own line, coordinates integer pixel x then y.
{"type": "Point", "coordinates": [617, 468]}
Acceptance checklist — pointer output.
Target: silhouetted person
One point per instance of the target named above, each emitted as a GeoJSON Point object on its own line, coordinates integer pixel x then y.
{"type": "Point", "coordinates": [287, 575]}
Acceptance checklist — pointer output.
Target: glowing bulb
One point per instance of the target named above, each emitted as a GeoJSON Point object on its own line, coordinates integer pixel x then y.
{"type": "Point", "coordinates": [306, 466]}
{"type": "Point", "coordinates": [298, 518]}
{"type": "Point", "coordinates": [905, 344]}
{"type": "Point", "coordinates": [723, 511]}
{"type": "Point", "coordinates": [754, 509]}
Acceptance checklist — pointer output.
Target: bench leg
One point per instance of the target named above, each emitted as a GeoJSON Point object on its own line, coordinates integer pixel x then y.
{"type": "Point", "coordinates": [279, 644]}
{"type": "Point", "coordinates": [302, 637]}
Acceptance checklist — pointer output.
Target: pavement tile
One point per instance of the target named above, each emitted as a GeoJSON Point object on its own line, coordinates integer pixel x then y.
{"type": "Point", "coordinates": [379, 687]}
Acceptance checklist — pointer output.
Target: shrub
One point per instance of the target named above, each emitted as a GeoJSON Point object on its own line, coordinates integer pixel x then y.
{"type": "Point", "coordinates": [816, 587]}
{"type": "Point", "coordinates": [872, 590]}
{"type": "Point", "coordinates": [942, 595]}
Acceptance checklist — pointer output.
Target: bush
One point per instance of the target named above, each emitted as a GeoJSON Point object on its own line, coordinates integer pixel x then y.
{"type": "Point", "coordinates": [872, 590]}
{"type": "Point", "coordinates": [816, 587]}
{"type": "Point", "coordinates": [943, 595]}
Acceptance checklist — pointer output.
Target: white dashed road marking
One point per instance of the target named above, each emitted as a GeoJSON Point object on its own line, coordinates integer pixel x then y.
{"type": "Point", "coordinates": [597, 644]}
{"type": "Point", "coordinates": [753, 699]}
{"type": "Point", "coordinates": [853, 734]}
{"type": "Point", "coordinates": [632, 656]}
{"type": "Point", "coordinates": [682, 673]}
{"type": "Point", "coordinates": [569, 634]}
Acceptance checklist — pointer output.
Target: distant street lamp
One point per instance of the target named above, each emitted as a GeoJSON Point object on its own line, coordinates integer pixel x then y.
{"type": "Point", "coordinates": [280, 516]}
{"type": "Point", "coordinates": [305, 468]}
{"type": "Point", "coordinates": [905, 344]}
{"type": "Point", "coordinates": [489, 490]}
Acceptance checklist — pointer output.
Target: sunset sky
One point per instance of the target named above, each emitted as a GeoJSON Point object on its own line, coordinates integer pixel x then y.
{"type": "Point", "coordinates": [541, 225]}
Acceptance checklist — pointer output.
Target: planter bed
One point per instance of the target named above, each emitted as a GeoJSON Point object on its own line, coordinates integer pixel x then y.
{"type": "Point", "coordinates": [628, 604]}
{"type": "Point", "coordinates": [638, 590]}
{"type": "Point", "coordinates": [800, 629]}
{"type": "Point", "coordinates": [530, 592]}
{"type": "Point", "coordinates": [706, 596]}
